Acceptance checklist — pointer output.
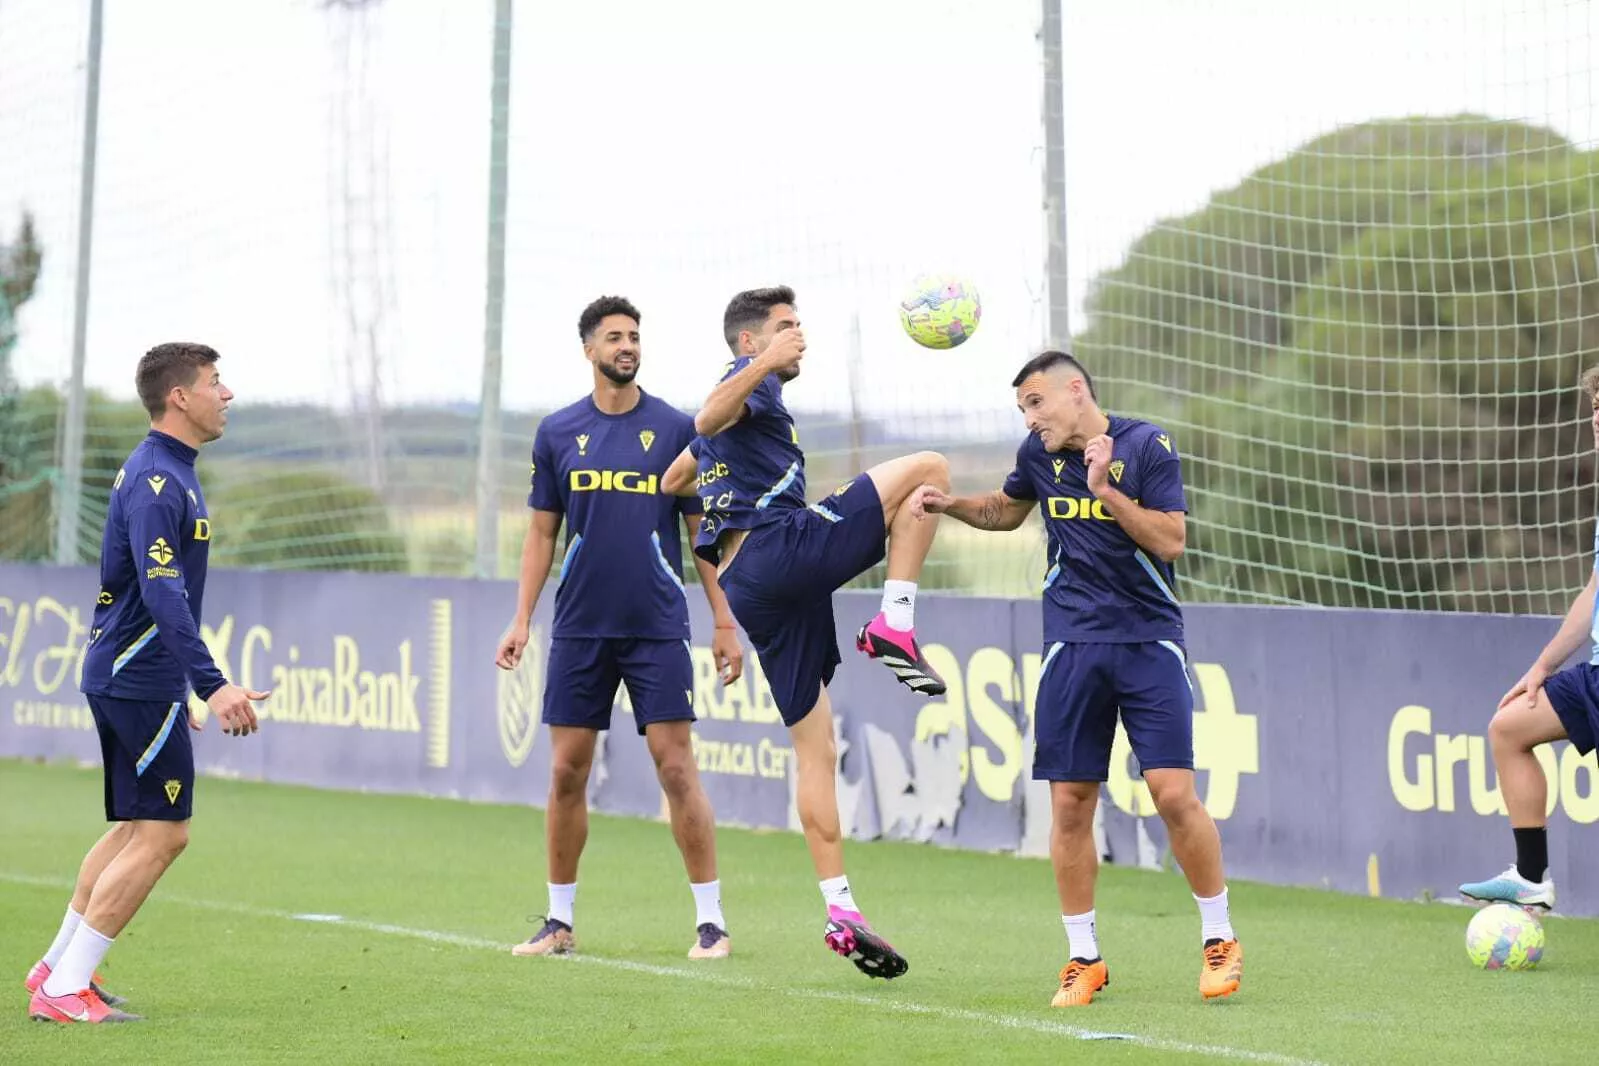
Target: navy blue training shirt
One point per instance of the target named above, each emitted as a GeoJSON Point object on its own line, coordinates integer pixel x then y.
{"type": "Point", "coordinates": [1101, 587]}
{"type": "Point", "coordinates": [752, 467]}
{"type": "Point", "coordinates": [145, 641]}
{"type": "Point", "coordinates": [622, 574]}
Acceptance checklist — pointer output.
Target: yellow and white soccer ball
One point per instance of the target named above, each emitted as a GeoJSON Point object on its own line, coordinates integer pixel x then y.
{"type": "Point", "coordinates": [940, 311]}
{"type": "Point", "coordinates": [1503, 936]}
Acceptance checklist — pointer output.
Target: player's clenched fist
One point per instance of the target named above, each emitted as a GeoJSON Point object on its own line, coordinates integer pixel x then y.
{"type": "Point", "coordinates": [929, 499]}
{"type": "Point", "coordinates": [786, 350]}
{"type": "Point", "coordinates": [1097, 455]}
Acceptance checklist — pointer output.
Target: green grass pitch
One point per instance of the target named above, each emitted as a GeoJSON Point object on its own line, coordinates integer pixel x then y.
{"type": "Point", "coordinates": [418, 902]}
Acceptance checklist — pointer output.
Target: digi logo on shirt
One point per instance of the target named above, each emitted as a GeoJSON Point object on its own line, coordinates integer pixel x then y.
{"type": "Point", "coordinates": [1067, 508]}
{"type": "Point", "coordinates": [613, 481]}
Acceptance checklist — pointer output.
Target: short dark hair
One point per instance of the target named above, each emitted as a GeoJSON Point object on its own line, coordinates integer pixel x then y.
{"type": "Point", "coordinates": [169, 366]}
{"type": "Point", "coordinates": [1048, 360]}
{"type": "Point", "coordinates": [750, 308]}
{"type": "Point", "coordinates": [600, 310]}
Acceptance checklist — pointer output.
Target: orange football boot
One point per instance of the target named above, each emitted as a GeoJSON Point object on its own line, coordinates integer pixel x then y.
{"type": "Point", "coordinates": [1223, 970]}
{"type": "Point", "coordinates": [1079, 980]}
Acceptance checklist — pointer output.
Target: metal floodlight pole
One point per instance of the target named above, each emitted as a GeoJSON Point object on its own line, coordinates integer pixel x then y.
{"type": "Point", "coordinates": [69, 488]}
{"type": "Point", "coordinates": [488, 454]}
{"type": "Point", "coordinates": [1060, 333]}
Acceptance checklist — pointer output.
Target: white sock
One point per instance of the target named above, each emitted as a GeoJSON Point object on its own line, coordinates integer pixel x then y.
{"type": "Point", "coordinates": [1082, 940]}
{"type": "Point", "coordinates": [1214, 921]}
{"type": "Point", "coordinates": [78, 962]}
{"type": "Point", "coordinates": [58, 946]}
{"type": "Point", "coordinates": [562, 898]}
{"type": "Point", "coordinates": [835, 891]}
{"type": "Point", "coordinates": [708, 904]}
{"type": "Point", "coordinates": [899, 604]}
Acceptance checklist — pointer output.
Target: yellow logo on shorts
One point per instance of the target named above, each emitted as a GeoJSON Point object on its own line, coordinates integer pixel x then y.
{"type": "Point", "coordinates": [173, 787]}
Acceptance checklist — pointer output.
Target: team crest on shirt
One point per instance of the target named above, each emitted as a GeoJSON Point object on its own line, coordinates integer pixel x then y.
{"type": "Point", "coordinates": [582, 444]}
{"type": "Point", "coordinates": [646, 437]}
{"type": "Point", "coordinates": [1116, 469]}
{"type": "Point", "coordinates": [157, 483]}
{"type": "Point", "coordinates": [1164, 441]}
{"type": "Point", "coordinates": [1059, 465]}
{"type": "Point", "coordinates": [173, 787]}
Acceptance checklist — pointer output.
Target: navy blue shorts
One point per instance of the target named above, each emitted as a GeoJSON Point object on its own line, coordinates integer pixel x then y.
{"type": "Point", "coordinates": [1081, 689]}
{"type": "Point", "coordinates": [1574, 694]}
{"type": "Point", "coordinates": [580, 682]}
{"type": "Point", "coordinates": [148, 759]}
{"type": "Point", "coordinates": [780, 586]}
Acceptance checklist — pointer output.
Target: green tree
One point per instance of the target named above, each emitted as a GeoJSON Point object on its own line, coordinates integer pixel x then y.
{"type": "Point", "coordinates": [20, 260]}
{"type": "Point", "coordinates": [302, 519]}
{"type": "Point", "coordinates": [1369, 351]}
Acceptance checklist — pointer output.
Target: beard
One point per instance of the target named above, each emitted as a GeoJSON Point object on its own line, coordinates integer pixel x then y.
{"type": "Point", "coordinates": [618, 376]}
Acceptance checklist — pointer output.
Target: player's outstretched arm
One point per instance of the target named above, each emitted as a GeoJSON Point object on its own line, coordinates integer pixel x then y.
{"type": "Point", "coordinates": [992, 510]}
{"type": "Point", "coordinates": [682, 477]}
{"type": "Point", "coordinates": [538, 554]}
{"type": "Point", "coordinates": [726, 403]}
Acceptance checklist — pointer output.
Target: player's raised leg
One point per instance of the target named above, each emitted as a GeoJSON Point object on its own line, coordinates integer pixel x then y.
{"type": "Point", "coordinates": [1515, 730]}
{"type": "Point", "coordinates": [890, 637]}
{"type": "Point", "coordinates": [94, 863]}
{"type": "Point", "coordinates": [816, 795]}
{"type": "Point", "coordinates": [694, 829]}
{"type": "Point", "coordinates": [566, 831]}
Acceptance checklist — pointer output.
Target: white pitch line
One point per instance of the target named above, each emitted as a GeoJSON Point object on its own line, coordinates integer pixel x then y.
{"type": "Point", "coordinates": [987, 1018]}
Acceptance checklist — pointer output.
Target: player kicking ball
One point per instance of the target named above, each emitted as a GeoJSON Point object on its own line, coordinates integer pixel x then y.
{"type": "Point", "coordinates": [1546, 705]}
{"type": "Point", "coordinates": [1115, 513]}
{"type": "Point", "coordinates": [780, 561]}
{"type": "Point", "coordinates": [621, 615]}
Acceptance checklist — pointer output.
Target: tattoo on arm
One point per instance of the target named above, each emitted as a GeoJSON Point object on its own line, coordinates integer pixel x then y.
{"type": "Point", "coordinates": [991, 512]}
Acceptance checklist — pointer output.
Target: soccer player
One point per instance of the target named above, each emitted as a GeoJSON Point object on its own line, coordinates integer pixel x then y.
{"type": "Point", "coordinates": [620, 614]}
{"type": "Point", "coordinates": [1545, 705]}
{"type": "Point", "coordinates": [144, 655]}
{"type": "Point", "coordinates": [780, 562]}
{"type": "Point", "coordinates": [1115, 512]}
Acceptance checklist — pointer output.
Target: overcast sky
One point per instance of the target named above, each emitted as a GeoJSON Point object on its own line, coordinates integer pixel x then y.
{"type": "Point", "coordinates": [675, 153]}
